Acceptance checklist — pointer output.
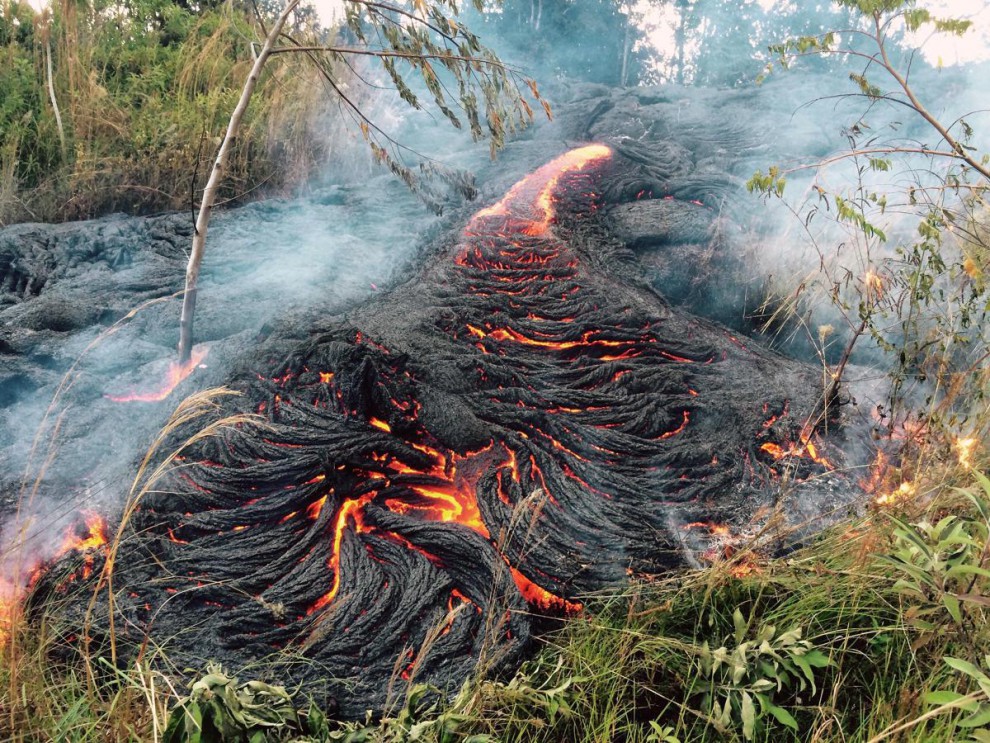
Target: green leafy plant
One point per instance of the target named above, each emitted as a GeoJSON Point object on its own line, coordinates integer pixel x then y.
{"type": "Point", "coordinates": [943, 566]}
{"type": "Point", "coordinates": [746, 680]}
{"type": "Point", "coordinates": [221, 710]}
{"type": "Point", "coordinates": [976, 703]}
{"type": "Point", "coordinates": [920, 297]}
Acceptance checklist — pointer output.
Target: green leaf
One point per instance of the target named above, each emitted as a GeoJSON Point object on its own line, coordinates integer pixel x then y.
{"type": "Point", "coordinates": [817, 658]}
{"type": "Point", "coordinates": [951, 604]}
{"type": "Point", "coordinates": [978, 719]}
{"type": "Point", "coordinates": [943, 697]}
{"type": "Point", "coordinates": [748, 712]}
{"type": "Point", "coordinates": [739, 623]}
{"type": "Point", "coordinates": [964, 666]}
{"type": "Point", "coordinates": [805, 667]}
{"type": "Point", "coordinates": [779, 713]}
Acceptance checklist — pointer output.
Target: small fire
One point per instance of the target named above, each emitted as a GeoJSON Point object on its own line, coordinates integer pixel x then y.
{"type": "Point", "coordinates": [965, 448]}
{"type": "Point", "coordinates": [874, 287]}
{"type": "Point", "coordinates": [175, 374]}
{"type": "Point", "coordinates": [879, 483]}
{"type": "Point", "coordinates": [22, 570]}
{"type": "Point", "coordinates": [805, 448]}
{"type": "Point", "coordinates": [904, 491]}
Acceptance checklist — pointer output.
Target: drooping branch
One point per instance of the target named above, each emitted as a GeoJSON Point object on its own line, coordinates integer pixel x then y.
{"type": "Point", "coordinates": [417, 38]}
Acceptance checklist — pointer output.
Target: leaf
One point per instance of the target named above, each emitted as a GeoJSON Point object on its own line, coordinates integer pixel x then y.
{"type": "Point", "coordinates": [978, 719]}
{"type": "Point", "coordinates": [951, 604]}
{"type": "Point", "coordinates": [943, 697]}
{"type": "Point", "coordinates": [817, 658]}
{"type": "Point", "coordinates": [964, 666]}
{"type": "Point", "coordinates": [739, 623]}
{"type": "Point", "coordinates": [779, 713]}
{"type": "Point", "coordinates": [805, 667]}
{"type": "Point", "coordinates": [748, 716]}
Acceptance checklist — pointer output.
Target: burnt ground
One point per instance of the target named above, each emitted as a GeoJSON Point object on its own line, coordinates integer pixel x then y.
{"type": "Point", "coordinates": [530, 412]}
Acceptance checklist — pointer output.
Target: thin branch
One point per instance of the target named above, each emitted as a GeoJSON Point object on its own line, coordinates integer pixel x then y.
{"type": "Point", "coordinates": [926, 115]}
{"type": "Point", "coordinates": [874, 151]}
{"type": "Point", "coordinates": [495, 64]}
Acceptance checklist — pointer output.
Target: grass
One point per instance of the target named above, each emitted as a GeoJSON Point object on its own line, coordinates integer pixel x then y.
{"type": "Point", "coordinates": [143, 99]}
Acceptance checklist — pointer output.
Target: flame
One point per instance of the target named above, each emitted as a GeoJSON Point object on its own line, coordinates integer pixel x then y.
{"type": "Point", "coordinates": [965, 447]}
{"type": "Point", "coordinates": [745, 567]}
{"type": "Point", "coordinates": [85, 536]}
{"type": "Point", "coordinates": [905, 490]}
{"type": "Point", "coordinates": [175, 374]}
{"type": "Point", "coordinates": [91, 535]}
{"type": "Point", "coordinates": [878, 484]}
{"type": "Point", "coordinates": [805, 448]}
{"type": "Point", "coordinates": [874, 286]}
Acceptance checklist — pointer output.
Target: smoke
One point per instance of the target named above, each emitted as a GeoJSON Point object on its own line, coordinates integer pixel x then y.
{"type": "Point", "coordinates": [69, 347]}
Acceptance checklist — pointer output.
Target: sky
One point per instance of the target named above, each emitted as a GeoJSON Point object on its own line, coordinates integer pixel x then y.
{"type": "Point", "coordinates": [658, 18]}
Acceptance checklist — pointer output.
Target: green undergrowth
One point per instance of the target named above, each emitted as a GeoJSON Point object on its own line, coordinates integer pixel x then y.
{"type": "Point", "coordinates": [119, 107]}
{"type": "Point", "coordinates": [875, 632]}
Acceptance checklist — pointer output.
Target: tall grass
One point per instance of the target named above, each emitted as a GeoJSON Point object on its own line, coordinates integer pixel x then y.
{"type": "Point", "coordinates": [628, 668]}
{"type": "Point", "coordinates": [144, 90]}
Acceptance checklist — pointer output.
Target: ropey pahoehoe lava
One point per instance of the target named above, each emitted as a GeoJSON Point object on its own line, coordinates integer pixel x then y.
{"type": "Point", "coordinates": [519, 424]}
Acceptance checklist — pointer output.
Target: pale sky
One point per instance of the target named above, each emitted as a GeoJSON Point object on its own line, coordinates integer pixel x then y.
{"type": "Point", "coordinates": [658, 17]}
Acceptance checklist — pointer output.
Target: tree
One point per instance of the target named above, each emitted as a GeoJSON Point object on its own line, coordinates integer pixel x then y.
{"type": "Point", "coordinates": [923, 299]}
{"type": "Point", "coordinates": [426, 38]}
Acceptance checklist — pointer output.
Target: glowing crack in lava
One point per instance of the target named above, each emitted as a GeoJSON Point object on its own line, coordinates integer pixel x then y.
{"type": "Point", "coordinates": [174, 375]}
{"type": "Point", "coordinates": [510, 429]}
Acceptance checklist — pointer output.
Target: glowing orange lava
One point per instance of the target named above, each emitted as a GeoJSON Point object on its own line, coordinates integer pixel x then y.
{"type": "Point", "coordinates": [530, 200]}
{"type": "Point", "coordinates": [175, 374]}
{"type": "Point", "coordinates": [806, 448]}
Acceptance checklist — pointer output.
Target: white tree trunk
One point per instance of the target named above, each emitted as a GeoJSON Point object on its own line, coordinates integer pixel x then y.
{"type": "Point", "coordinates": [213, 184]}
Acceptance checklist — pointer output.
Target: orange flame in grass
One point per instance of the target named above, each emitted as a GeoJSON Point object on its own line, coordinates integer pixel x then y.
{"type": "Point", "coordinates": [23, 570]}
{"type": "Point", "coordinates": [965, 447]}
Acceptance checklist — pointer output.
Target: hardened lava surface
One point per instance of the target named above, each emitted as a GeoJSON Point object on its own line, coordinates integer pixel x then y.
{"type": "Point", "coordinates": [522, 422]}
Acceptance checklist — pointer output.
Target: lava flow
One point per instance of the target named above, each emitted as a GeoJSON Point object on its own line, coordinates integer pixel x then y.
{"type": "Point", "coordinates": [511, 429]}
{"type": "Point", "coordinates": [174, 375]}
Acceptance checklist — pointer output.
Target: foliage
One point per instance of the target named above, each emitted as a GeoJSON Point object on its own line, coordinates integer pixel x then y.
{"type": "Point", "coordinates": [977, 704]}
{"type": "Point", "coordinates": [906, 268]}
{"type": "Point", "coordinates": [943, 569]}
{"type": "Point", "coordinates": [139, 86]}
{"type": "Point", "coordinates": [221, 710]}
{"type": "Point", "coordinates": [757, 667]}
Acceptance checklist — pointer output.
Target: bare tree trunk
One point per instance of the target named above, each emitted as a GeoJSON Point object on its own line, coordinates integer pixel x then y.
{"type": "Point", "coordinates": [625, 55]}
{"type": "Point", "coordinates": [213, 184]}
{"type": "Point", "coordinates": [51, 93]}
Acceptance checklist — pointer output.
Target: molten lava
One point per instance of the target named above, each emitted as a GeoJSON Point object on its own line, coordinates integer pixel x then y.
{"type": "Point", "coordinates": [512, 430]}
{"type": "Point", "coordinates": [24, 568]}
{"type": "Point", "coordinates": [174, 376]}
